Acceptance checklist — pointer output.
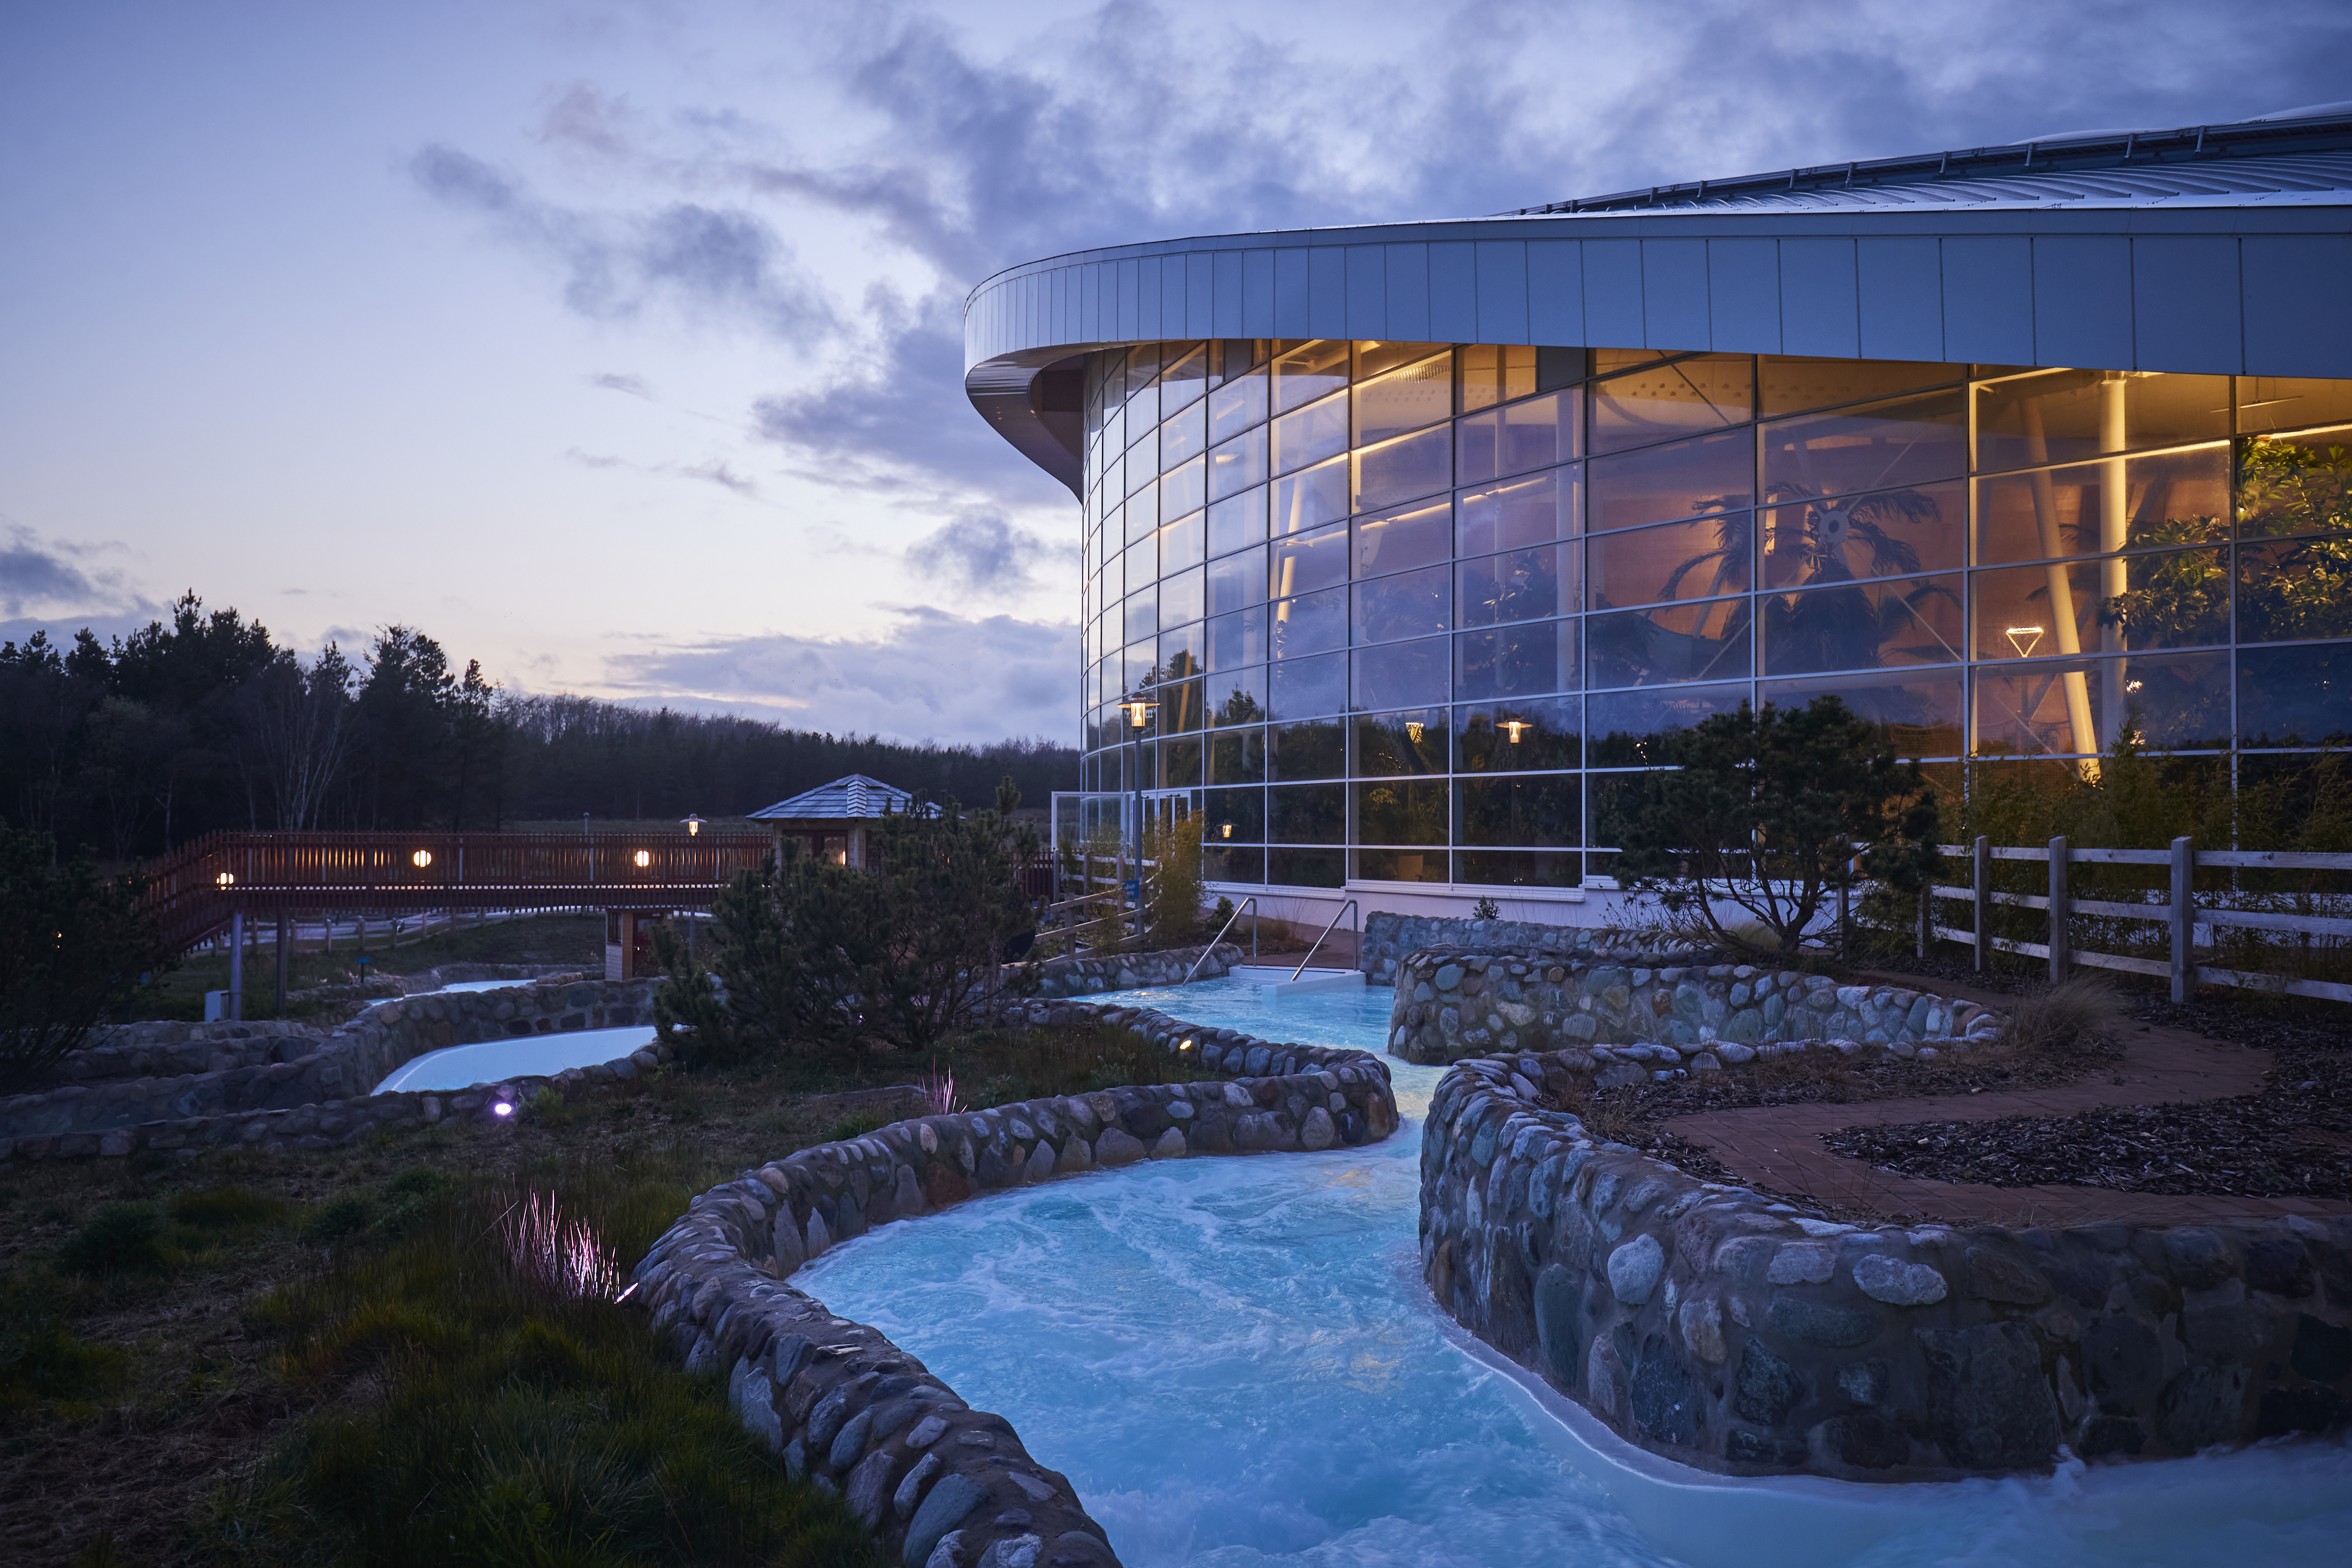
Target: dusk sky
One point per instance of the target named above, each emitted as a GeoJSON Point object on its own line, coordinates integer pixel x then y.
{"type": "Point", "coordinates": [618, 346]}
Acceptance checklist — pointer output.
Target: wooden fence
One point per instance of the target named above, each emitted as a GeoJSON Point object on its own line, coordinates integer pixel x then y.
{"type": "Point", "coordinates": [2176, 907]}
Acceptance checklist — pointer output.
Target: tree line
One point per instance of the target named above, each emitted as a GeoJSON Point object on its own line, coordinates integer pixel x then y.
{"type": "Point", "coordinates": [202, 721]}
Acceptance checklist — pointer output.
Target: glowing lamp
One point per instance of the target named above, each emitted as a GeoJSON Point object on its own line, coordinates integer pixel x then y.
{"type": "Point", "coordinates": [501, 1109]}
{"type": "Point", "coordinates": [643, 858]}
{"type": "Point", "coordinates": [2024, 639]}
{"type": "Point", "coordinates": [421, 859]}
{"type": "Point", "coordinates": [1185, 1045]}
{"type": "Point", "coordinates": [1137, 712]}
{"type": "Point", "coordinates": [691, 822]}
{"type": "Point", "coordinates": [226, 880]}
{"type": "Point", "coordinates": [1224, 830]}
{"type": "Point", "coordinates": [1514, 726]}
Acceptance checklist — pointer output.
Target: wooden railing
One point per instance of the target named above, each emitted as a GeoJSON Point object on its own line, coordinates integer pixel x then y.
{"type": "Point", "coordinates": [2178, 911]}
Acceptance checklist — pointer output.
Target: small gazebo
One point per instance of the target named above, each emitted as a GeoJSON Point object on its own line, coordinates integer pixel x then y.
{"type": "Point", "coordinates": [834, 821]}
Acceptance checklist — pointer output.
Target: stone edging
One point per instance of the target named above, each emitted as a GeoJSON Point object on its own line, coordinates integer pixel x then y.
{"type": "Point", "coordinates": [1711, 1325]}
{"type": "Point", "coordinates": [1673, 1009]}
{"type": "Point", "coordinates": [1132, 971]}
{"type": "Point", "coordinates": [941, 1485]}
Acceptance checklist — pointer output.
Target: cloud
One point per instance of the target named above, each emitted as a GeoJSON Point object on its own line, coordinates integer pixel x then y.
{"type": "Point", "coordinates": [979, 553]}
{"type": "Point", "coordinates": [635, 385]}
{"type": "Point", "coordinates": [933, 676]}
{"type": "Point", "coordinates": [719, 263]}
{"type": "Point", "coordinates": [41, 586]}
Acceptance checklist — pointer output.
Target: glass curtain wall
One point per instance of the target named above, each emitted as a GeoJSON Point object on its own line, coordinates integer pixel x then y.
{"type": "Point", "coordinates": [1416, 613]}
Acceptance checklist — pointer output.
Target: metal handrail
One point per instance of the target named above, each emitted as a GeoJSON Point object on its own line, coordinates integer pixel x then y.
{"type": "Point", "coordinates": [1250, 902]}
{"type": "Point", "coordinates": [1311, 951]}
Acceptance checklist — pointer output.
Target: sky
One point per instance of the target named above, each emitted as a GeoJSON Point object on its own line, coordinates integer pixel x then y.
{"type": "Point", "coordinates": [618, 345]}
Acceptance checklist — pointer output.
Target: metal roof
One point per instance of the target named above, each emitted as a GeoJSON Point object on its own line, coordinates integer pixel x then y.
{"type": "Point", "coordinates": [2301, 158]}
{"type": "Point", "coordinates": [853, 798]}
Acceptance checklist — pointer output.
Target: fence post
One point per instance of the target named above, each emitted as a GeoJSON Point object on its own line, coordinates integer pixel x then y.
{"type": "Point", "coordinates": [1981, 873]}
{"type": "Point", "coordinates": [1924, 894]}
{"type": "Point", "coordinates": [2059, 953]}
{"type": "Point", "coordinates": [2184, 916]}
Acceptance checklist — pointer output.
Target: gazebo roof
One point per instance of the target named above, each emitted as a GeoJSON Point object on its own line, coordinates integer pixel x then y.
{"type": "Point", "coordinates": [854, 798]}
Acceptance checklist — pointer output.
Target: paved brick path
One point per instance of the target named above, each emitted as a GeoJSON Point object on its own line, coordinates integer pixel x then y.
{"type": "Point", "coordinates": [1779, 1146]}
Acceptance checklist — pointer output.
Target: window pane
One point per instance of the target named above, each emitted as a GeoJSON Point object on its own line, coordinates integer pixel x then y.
{"type": "Point", "coordinates": [1180, 761]}
{"type": "Point", "coordinates": [1394, 675]}
{"type": "Point", "coordinates": [1237, 582]}
{"type": "Point", "coordinates": [1311, 498]}
{"type": "Point", "coordinates": [2177, 498]}
{"type": "Point", "coordinates": [1527, 659]}
{"type": "Point", "coordinates": [1401, 865]}
{"type": "Point", "coordinates": [1304, 372]}
{"type": "Point", "coordinates": [2277, 403]}
{"type": "Point", "coordinates": [1310, 624]}
{"type": "Point", "coordinates": [1180, 652]}
{"type": "Point", "coordinates": [1534, 434]}
{"type": "Point", "coordinates": [1312, 434]}
{"type": "Point", "coordinates": [1676, 397]}
{"type": "Point", "coordinates": [1237, 520]}
{"type": "Point", "coordinates": [1695, 560]}
{"type": "Point", "coordinates": [1180, 543]}
{"type": "Point", "coordinates": [2297, 484]}
{"type": "Point", "coordinates": [1183, 489]}
{"type": "Point", "coordinates": [1891, 534]}
{"type": "Point", "coordinates": [1237, 696]}
{"type": "Point", "coordinates": [1628, 729]}
{"type": "Point", "coordinates": [1788, 385]}
{"type": "Point", "coordinates": [2295, 697]}
{"type": "Point", "coordinates": [1412, 742]}
{"type": "Point", "coordinates": [1875, 446]}
{"type": "Point", "coordinates": [1401, 470]}
{"type": "Point", "coordinates": [1238, 756]}
{"type": "Point", "coordinates": [2060, 416]}
{"type": "Point", "coordinates": [1405, 537]}
{"type": "Point", "coordinates": [1408, 605]}
{"type": "Point", "coordinates": [1313, 751]}
{"type": "Point", "coordinates": [1237, 405]}
{"type": "Point", "coordinates": [1682, 642]}
{"type": "Point", "coordinates": [1541, 811]}
{"type": "Point", "coordinates": [1518, 868]}
{"type": "Point", "coordinates": [1858, 626]}
{"type": "Point", "coordinates": [1518, 585]}
{"type": "Point", "coordinates": [1520, 736]}
{"type": "Point", "coordinates": [1400, 811]}
{"type": "Point", "coordinates": [1114, 442]}
{"type": "Point", "coordinates": [1233, 816]}
{"type": "Point", "coordinates": [1310, 561]}
{"type": "Point", "coordinates": [1524, 512]}
{"type": "Point", "coordinates": [1143, 513]}
{"type": "Point", "coordinates": [1237, 639]}
{"type": "Point", "coordinates": [1237, 465]}
{"type": "Point", "coordinates": [1183, 437]}
{"type": "Point", "coordinates": [1142, 614]}
{"type": "Point", "coordinates": [1139, 564]}
{"type": "Point", "coordinates": [1307, 813]}
{"type": "Point", "coordinates": [2176, 599]}
{"type": "Point", "coordinates": [1491, 374]}
{"type": "Point", "coordinates": [1373, 359]}
{"type": "Point", "coordinates": [2052, 707]}
{"type": "Point", "coordinates": [2285, 591]}
{"type": "Point", "coordinates": [1181, 597]}
{"type": "Point", "coordinates": [1409, 399]}
{"type": "Point", "coordinates": [1243, 867]}
{"type": "Point", "coordinates": [1305, 688]}
{"type": "Point", "coordinates": [1305, 867]}
{"type": "Point", "coordinates": [1918, 715]}
{"type": "Point", "coordinates": [1715, 473]}
{"type": "Point", "coordinates": [1186, 376]}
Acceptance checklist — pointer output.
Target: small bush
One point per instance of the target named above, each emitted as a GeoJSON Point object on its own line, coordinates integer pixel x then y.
{"type": "Point", "coordinates": [120, 1238]}
{"type": "Point", "coordinates": [225, 1208]}
{"type": "Point", "coordinates": [340, 1218]}
{"type": "Point", "coordinates": [2062, 1018]}
{"type": "Point", "coordinates": [856, 1124]}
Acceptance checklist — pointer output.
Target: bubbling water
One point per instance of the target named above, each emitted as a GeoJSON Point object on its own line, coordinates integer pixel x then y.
{"type": "Point", "coordinates": [1236, 1364]}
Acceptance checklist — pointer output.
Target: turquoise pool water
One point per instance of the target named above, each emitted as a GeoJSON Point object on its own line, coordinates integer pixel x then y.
{"type": "Point", "coordinates": [1236, 1364]}
{"type": "Point", "coordinates": [539, 1056]}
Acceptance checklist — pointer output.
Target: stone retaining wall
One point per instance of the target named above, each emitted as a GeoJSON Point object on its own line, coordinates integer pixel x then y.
{"type": "Point", "coordinates": [337, 1067]}
{"type": "Point", "coordinates": [1711, 1325]}
{"type": "Point", "coordinates": [1453, 1002]}
{"type": "Point", "coordinates": [1389, 936]}
{"type": "Point", "coordinates": [1130, 970]}
{"type": "Point", "coordinates": [171, 1047]}
{"type": "Point", "coordinates": [939, 1484]}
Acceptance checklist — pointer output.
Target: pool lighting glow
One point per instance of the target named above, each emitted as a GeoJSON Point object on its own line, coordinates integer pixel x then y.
{"type": "Point", "coordinates": [502, 1109]}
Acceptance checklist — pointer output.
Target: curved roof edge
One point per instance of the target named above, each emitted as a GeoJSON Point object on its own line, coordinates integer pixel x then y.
{"type": "Point", "coordinates": [2220, 288]}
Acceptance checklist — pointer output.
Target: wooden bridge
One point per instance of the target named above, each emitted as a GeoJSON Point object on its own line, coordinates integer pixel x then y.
{"type": "Point", "coordinates": [195, 891]}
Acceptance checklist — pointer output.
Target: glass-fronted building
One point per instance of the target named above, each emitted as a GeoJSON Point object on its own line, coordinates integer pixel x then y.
{"type": "Point", "coordinates": [1421, 538]}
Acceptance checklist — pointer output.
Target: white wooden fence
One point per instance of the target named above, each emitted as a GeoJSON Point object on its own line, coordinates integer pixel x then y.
{"type": "Point", "coordinates": [2179, 912]}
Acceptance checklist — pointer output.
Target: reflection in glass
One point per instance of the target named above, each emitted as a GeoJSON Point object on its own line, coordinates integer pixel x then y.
{"type": "Point", "coordinates": [1791, 384]}
{"type": "Point", "coordinates": [1237, 756]}
{"type": "Point", "coordinates": [1307, 813]}
{"type": "Point", "coordinates": [1375, 359]}
{"type": "Point", "coordinates": [1143, 514]}
{"type": "Point", "coordinates": [1403, 469]}
{"type": "Point", "coordinates": [1305, 867]}
{"type": "Point", "coordinates": [1186, 377]}
{"type": "Point", "coordinates": [1400, 811]}
{"type": "Point", "coordinates": [1303, 688]}
{"type": "Point", "coordinates": [1491, 374]}
{"type": "Point", "coordinates": [1233, 815]}
{"type": "Point", "coordinates": [1524, 511]}
{"type": "Point", "coordinates": [1183, 437]}
{"type": "Point", "coordinates": [1183, 489]}
{"type": "Point", "coordinates": [1312, 751]}
{"type": "Point", "coordinates": [1671, 398]}
{"type": "Point", "coordinates": [1142, 614]}
{"type": "Point", "coordinates": [1393, 675]}
{"type": "Point", "coordinates": [1526, 659]}
{"type": "Point", "coordinates": [2293, 590]}
{"type": "Point", "coordinates": [2298, 485]}
{"type": "Point", "coordinates": [1180, 543]}
{"type": "Point", "coordinates": [1629, 729]}
{"type": "Point", "coordinates": [1237, 696]}
{"type": "Point", "coordinates": [1918, 715]}
{"type": "Point", "coordinates": [1181, 597]}
{"type": "Point", "coordinates": [2173, 497]}
{"type": "Point", "coordinates": [1181, 653]}
{"type": "Point", "coordinates": [1237, 405]}
{"type": "Point", "coordinates": [1893, 534]}
{"type": "Point", "coordinates": [1517, 585]}
{"type": "Point", "coordinates": [1534, 434]}
{"type": "Point", "coordinates": [1312, 434]}
{"type": "Point", "coordinates": [1520, 736]}
{"type": "Point", "coordinates": [1304, 372]}
{"type": "Point", "coordinates": [1412, 742]}
{"type": "Point", "coordinates": [1714, 473]}
{"type": "Point", "coordinates": [1180, 761]}
{"type": "Point", "coordinates": [1706, 641]}
{"type": "Point", "coordinates": [1237, 521]}
{"type": "Point", "coordinates": [1310, 561]}
{"type": "Point", "coordinates": [1245, 868]}
{"type": "Point", "coordinates": [1311, 498]}
{"type": "Point", "coordinates": [1237, 639]}
{"type": "Point", "coordinates": [1411, 398]}
{"type": "Point", "coordinates": [2295, 697]}
{"type": "Point", "coordinates": [1237, 465]}
{"type": "Point", "coordinates": [1410, 604]}
{"type": "Point", "coordinates": [1542, 811]}
{"type": "Point", "coordinates": [2061, 415]}
{"type": "Point", "coordinates": [2267, 403]}
{"type": "Point", "coordinates": [1407, 537]}
{"type": "Point", "coordinates": [1401, 865]}
{"type": "Point", "coordinates": [1694, 559]}
{"type": "Point", "coordinates": [1864, 626]}
{"type": "Point", "coordinates": [1878, 446]}
{"type": "Point", "coordinates": [1237, 582]}
{"type": "Point", "coordinates": [1517, 869]}
{"type": "Point", "coordinates": [1309, 624]}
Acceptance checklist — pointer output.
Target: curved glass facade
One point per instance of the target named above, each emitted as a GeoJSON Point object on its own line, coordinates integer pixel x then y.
{"type": "Point", "coordinates": [1412, 613]}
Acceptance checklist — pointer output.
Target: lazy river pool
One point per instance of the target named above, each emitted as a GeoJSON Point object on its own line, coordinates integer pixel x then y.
{"type": "Point", "coordinates": [1236, 1364]}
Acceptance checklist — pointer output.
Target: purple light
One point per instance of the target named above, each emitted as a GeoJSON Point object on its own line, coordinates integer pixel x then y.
{"type": "Point", "coordinates": [502, 1109]}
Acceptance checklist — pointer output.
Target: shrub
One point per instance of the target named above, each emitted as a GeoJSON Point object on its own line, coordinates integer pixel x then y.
{"type": "Point", "coordinates": [340, 1218]}
{"type": "Point", "coordinates": [858, 1124]}
{"type": "Point", "coordinates": [73, 947]}
{"type": "Point", "coordinates": [120, 1238]}
{"type": "Point", "coordinates": [2059, 1020]}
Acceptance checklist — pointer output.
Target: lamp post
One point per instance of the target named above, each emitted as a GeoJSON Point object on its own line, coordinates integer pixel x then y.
{"type": "Point", "coordinates": [1138, 711]}
{"type": "Point", "coordinates": [692, 823]}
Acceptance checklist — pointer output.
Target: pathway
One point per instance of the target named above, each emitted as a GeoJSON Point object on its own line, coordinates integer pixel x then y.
{"type": "Point", "coordinates": [1779, 1146]}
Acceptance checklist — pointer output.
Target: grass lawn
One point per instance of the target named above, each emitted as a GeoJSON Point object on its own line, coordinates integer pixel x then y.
{"type": "Point", "coordinates": [333, 1357]}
